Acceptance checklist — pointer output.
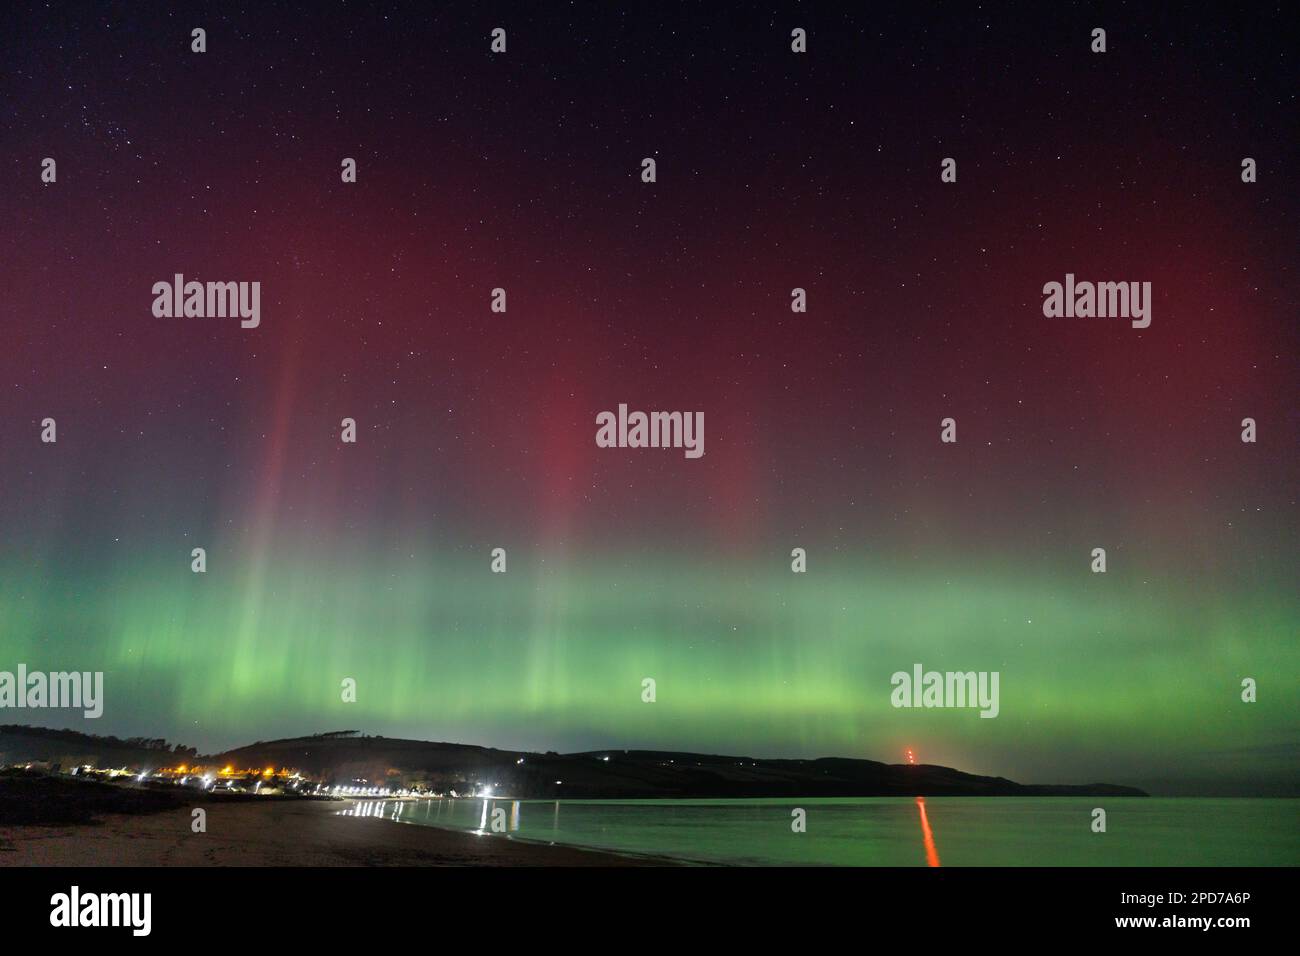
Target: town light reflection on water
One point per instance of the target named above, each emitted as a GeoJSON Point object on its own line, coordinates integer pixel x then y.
{"type": "Point", "coordinates": [493, 827]}
{"type": "Point", "coordinates": [379, 809]}
{"type": "Point", "coordinates": [396, 809]}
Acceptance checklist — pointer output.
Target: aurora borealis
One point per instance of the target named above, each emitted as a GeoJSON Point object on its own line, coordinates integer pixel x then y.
{"type": "Point", "coordinates": [477, 430]}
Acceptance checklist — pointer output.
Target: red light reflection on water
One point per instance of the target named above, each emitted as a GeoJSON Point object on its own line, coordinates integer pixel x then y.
{"type": "Point", "coordinates": [931, 854]}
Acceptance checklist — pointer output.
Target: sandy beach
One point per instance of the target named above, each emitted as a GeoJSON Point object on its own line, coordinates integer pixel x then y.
{"type": "Point", "coordinates": [279, 833]}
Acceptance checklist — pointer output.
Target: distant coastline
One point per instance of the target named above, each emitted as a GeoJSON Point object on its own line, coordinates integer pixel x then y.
{"type": "Point", "coordinates": [344, 762]}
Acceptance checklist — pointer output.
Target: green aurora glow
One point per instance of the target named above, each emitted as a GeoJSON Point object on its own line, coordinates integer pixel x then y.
{"type": "Point", "coordinates": [1098, 681]}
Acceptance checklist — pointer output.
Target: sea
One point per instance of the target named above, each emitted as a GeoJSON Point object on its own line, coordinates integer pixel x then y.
{"type": "Point", "coordinates": [887, 831]}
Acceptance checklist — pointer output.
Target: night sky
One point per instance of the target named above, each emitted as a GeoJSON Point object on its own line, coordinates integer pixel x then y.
{"type": "Point", "coordinates": [475, 429]}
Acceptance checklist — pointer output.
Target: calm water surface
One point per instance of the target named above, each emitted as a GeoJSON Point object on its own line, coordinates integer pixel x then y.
{"type": "Point", "coordinates": [890, 831]}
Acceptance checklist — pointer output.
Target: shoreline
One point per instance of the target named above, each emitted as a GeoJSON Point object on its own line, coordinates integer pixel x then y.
{"type": "Point", "coordinates": [306, 833]}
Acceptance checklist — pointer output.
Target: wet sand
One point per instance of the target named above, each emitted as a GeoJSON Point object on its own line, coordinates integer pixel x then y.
{"type": "Point", "coordinates": [288, 833]}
